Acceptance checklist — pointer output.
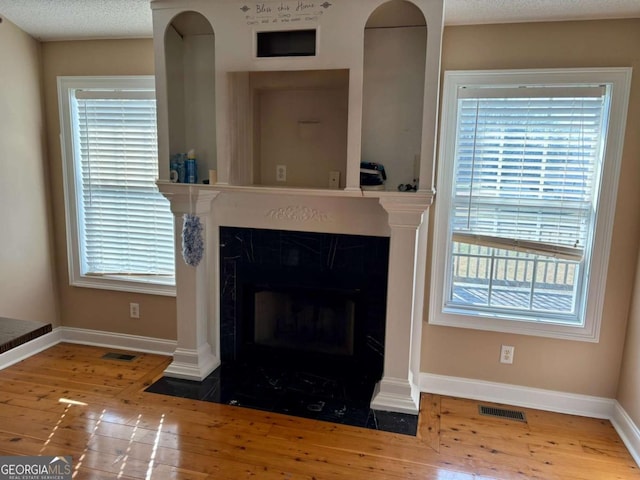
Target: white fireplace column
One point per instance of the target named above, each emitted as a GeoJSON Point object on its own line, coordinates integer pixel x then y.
{"type": "Point", "coordinates": [398, 390]}
{"type": "Point", "coordinates": [194, 358]}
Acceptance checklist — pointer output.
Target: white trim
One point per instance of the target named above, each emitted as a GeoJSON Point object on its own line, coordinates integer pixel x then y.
{"type": "Point", "coordinates": [120, 341]}
{"type": "Point", "coordinates": [516, 395]}
{"type": "Point", "coordinates": [620, 81]}
{"type": "Point", "coordinates": [540, 399]}
{"type": "Point", "coordinates": [71, 181]}
{"type": "Point", "coordinates": [396, 395]}
{"type": "Point", "coordinates": [21, 352]}
{"type": "Point", "coordinates": [119, 284]}
{"type": "Point", "coordinates": [82, 336]}
{"type": "Point", "coordinates": [193, 365]}
{"type": "Point", "coordinates": [628, 431]}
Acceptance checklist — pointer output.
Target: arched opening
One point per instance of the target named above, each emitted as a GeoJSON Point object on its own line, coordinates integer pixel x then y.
{"type": "Point", "coordinates": [395, 42]}
{"type": "Point", "coordinates": [190, 68]}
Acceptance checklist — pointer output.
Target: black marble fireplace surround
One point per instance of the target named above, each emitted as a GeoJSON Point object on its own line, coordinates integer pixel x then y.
{"type": "Point", "coordinates": [315, 265]}
{"type": "Point", "coordinates": [323, 351]}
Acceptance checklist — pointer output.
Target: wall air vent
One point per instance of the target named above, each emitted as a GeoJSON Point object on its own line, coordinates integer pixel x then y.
{"type": "Point", "coordinates": [287, 43]}
{"type": "Point", "coordinates": [516, 415]}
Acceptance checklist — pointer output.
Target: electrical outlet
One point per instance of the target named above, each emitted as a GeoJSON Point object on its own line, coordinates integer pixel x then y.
{"type": "Point", "coordinates": [281, 173]}
{"type": "Point", "coordinates": [506, 353]}
{"type": "Point", "coordinates": [334, 179]}
{"type": "Point", "coordinates": [134, 310]}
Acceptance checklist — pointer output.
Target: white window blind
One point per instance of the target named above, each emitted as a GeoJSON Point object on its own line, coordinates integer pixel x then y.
{"type": "Point", "coordinates": [527, 163]}
{"type": "Point", "coordinates": [528, 167]}
{"type": "Point", "coordinates": [125, 225]}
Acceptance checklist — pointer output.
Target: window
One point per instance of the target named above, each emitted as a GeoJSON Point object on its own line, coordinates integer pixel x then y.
{"type": "Point", "coordinates": [528, 170]}
{"type": "Point", "coordinates": [119, 227]}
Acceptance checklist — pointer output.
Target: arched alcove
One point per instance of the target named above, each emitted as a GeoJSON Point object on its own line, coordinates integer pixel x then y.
{"type": "Point", "coordinates": [189, 46]}
{"type": "Point", "coordinates": [395, 42]}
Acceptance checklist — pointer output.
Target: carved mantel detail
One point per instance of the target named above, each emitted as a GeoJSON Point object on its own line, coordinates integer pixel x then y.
{"type": "Point", "coordinates": [298, 213]}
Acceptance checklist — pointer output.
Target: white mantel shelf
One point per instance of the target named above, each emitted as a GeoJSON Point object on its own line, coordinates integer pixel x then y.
{"type": "Point", "coordinates": [421, 197]}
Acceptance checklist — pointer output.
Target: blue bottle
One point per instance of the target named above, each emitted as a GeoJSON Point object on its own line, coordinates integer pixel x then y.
{"type": "Point", "coordinates": [191, 168]}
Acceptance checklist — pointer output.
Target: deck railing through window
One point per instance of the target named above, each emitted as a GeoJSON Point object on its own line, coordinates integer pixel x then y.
{"type": "Point", "coordinates": [489, 277]}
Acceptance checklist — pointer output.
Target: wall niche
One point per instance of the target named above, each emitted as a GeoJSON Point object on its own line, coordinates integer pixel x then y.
{"type": "Point", "coordinates": [291, 119]}
{"type": "Point", "coordinates": [189, 47]}
{"type": "Point", "coordinates": [395, 43]}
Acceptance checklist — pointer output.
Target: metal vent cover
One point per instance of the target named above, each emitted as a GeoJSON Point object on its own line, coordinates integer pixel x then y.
{"type": "Point", "coordinates": [516, 415]}
{"type": "Point", "coordinates": [118, 356]}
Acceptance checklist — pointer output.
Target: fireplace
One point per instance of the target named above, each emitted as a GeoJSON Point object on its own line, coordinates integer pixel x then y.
{"type": "Point", "coordinates": [321, 232]}
{"type": "Point", "coordinates": [300, 321]}
{"type": "Point", "coordinates": [306, 297]}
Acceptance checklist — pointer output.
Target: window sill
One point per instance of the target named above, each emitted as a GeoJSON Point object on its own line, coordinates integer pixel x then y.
{"type": "Point", "coordinates": [126, 284]}
{"type": "Point", "coordinates": [495, 323]}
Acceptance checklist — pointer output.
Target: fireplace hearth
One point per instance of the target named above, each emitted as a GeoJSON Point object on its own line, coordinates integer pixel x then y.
{"type": "Point", "coordinates": [332, 394]}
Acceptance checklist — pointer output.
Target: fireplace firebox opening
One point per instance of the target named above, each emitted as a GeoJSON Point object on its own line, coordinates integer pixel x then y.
{"type": "Point", "coordinates": [307, 321]}
{"type": "Point", "coordinates": [313, 298]}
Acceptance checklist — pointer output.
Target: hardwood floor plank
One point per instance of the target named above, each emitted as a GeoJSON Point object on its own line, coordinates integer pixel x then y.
{"type": "Point", "coordinates": [75, 378]}
{"type": "Point", "coordinates": [229, 444]}
{"type": "Point", "coordinates": [604, 450]}
{"type": "Point", "coordinates": [60, 382]}
{"type": "Point", "coordinates": [583, 468]}
{"type": "Point", "coordinates": [429, 421]}
{"type": "Point", "coordinates": [26, 401]}
{"type": "Point", "coordinates": [170, 473]}
{"type": "Point", "coordinates": [90, 474]}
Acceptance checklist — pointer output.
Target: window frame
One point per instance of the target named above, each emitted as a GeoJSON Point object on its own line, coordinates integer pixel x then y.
{"type": "Point", "coordinates": [619, 82]}
{"type": "Point", "coordinates": [72, 180]}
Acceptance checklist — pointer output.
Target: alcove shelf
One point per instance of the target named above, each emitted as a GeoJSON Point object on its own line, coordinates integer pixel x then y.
{"type": "Point", "coordinates": [292, 95]}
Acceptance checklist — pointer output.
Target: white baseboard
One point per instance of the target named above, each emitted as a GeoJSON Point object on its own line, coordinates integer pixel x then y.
{"type": "Point", "coordinates": [550, 400]}
{"type": "Point", "coordinates": [628, 431]}
{"type": "Point", "coordinates": [120, 341]}
{"type": "Point", "coordinates": [19, 353]}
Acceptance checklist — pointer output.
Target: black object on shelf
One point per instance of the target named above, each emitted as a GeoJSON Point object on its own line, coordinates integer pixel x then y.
{"type": "Point", "coordinates": [372, 174]}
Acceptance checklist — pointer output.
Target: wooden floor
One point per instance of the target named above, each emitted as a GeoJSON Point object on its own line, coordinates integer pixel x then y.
{"type": "Point", "coordinates": [69, 401]}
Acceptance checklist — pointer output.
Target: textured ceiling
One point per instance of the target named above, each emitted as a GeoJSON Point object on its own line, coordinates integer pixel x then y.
{"type": "Point", "coordinates": [77, 19]}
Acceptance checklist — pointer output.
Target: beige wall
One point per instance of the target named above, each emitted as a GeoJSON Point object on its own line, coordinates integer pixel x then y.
{"type": "Point", "coordinates": [570, 366]}
{"type": "Point", "coordinates": [629, 385]}
{"type": "Point", "coordinates": [86, 307]}
{"type": "Point", "coordinates": [26, 260]}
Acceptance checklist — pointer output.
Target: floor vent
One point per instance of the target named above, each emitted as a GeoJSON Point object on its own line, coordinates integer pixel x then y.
{"type": "Point", "coordinates": [118, 356]}
{"type": "Point", "coordinates": [502, 413]}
